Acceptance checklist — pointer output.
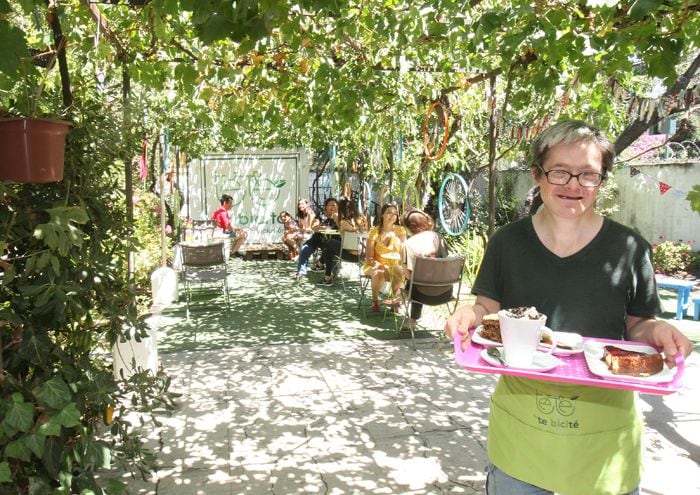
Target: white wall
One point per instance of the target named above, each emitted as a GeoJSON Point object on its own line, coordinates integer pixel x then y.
{"type": "Point", "coordinates": [653, 214]}
{"type": "Point", "coordinates": [261, 182]}
{"type": "Point", "coordinates": [643, 207]}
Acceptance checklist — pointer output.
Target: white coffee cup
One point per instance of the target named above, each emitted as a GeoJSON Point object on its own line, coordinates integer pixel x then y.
{"type": "Point", "coordinates": [520, 337]}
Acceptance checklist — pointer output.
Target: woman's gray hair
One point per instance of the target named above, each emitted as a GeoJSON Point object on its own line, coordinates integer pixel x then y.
{"type": "Point", "coordinates": [567, 132]}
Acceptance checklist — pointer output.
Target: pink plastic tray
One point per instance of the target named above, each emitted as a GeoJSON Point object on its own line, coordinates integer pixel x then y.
{"type": "Point", "coordinates": [575, 370]}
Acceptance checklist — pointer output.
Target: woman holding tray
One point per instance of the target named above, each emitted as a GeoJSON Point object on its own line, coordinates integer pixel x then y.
{"type": "Point", "coordinates": [591, 276]}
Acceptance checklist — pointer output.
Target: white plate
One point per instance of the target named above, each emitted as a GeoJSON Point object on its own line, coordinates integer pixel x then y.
{"type": "Point", "coordinates": [573, 339]}
{"type": "Point", "coordinates": [542, 362]}
{"type": "Point", "coordinates": [478, 339]}
{"type": "Point", "coordinates": [593, 352]}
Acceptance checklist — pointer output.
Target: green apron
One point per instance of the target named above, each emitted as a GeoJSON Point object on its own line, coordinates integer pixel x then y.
{"type": "Point", "coordinates": [569, 439]}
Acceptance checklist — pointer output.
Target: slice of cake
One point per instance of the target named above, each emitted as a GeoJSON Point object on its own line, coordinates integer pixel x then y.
{"type": "Point", "coordinates": [491, 328]}
{"type": "Point", "coordinates": [633, 363]}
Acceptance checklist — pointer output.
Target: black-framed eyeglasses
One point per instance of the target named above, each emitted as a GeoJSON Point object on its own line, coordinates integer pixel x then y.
{"type": "Point", "coordinates": [562, 177]}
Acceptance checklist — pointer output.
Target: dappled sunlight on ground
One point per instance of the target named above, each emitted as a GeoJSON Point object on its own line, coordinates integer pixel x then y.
{"type": "Point", "coordinates": [296, 392]}
{"type": "Point", "coordinates": [267, 306]}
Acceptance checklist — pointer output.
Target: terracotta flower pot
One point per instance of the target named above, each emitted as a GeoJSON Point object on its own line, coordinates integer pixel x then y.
{"type": "Point", "coordinates": [32, 150]}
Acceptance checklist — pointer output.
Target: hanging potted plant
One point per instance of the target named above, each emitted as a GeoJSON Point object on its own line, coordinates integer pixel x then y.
{"type": "Point", "coordinates": [32, 149]}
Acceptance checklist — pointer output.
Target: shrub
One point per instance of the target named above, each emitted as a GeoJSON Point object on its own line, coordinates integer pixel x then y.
{"type": "Point", "coordinates": [147, 244]}
{"type": "Point", "coordinates": [471, 244]}
{"type": "Point", "coordinates": [673, 256]}
{"type": "Point", "coordinates": [65, 299]}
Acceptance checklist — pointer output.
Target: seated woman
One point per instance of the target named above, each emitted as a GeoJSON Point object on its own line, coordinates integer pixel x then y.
{"type": "Point", "coordinates": [317, 239]}
{"type": "Point", "coordinates": [422, 241]}
{"type": "Point", "coordinates": [384, 245]}
{"type": "Point", "coordinates": [292, 235]}
{"type": "Point", "coordinates": [223, 221]}
{"type": "Point", "coordinates": [349, 220]}
{"type": "Point", "coordinates": [307, 219]}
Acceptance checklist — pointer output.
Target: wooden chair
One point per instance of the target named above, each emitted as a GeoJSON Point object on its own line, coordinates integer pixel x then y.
{"type": "Point", "coordinates": [204, 268]}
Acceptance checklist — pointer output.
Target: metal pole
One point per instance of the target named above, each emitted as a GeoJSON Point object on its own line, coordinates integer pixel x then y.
{"type": "Point", "coordinates": [165, 165]}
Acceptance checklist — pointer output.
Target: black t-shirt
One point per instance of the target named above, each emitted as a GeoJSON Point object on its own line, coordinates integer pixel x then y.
{"type": "Point", "coordinates": [590, 292]}
{"type": "Point", "coordinates": [329, 222]}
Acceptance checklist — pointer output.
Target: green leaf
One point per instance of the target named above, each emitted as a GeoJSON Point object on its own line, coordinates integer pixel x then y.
{"type": "Point", "coordinates": [216, 27]}
{"type": "Point", "coordinates": [50, 429]}
{"type": "Point", "coordinates": [694, 198]}
{"type": "Point", "coordinates": [14, 47]}
{"type": "Point", "coordinates": [18, 450]}
{"type": "Point", "coordinates": [641, 8]}
{"type": "Point", "coordinates": [20, 414]}
{"type": "Point", "coordinates": [5, 474]}
{"type": "Point", "coordinates": [99, 454]}
{"type": "Point", "coordinates": [33, 348]}
{"type": "Point", "coordinates": [54, 393]}
{"type": "Point", "coordinates": [54, 452]}
{"type": "Point", "coordinates": [59, 233]}
{"type": "Point", "coordinates": [35, 443]}
{"type": "Point", "coordinates": [115, 487]}
{"type": "Point", "coordinates": [69, 416]}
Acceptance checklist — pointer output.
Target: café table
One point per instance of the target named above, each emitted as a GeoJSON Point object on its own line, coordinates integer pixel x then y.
{"type": "Point", "coordinates": [682, 287]}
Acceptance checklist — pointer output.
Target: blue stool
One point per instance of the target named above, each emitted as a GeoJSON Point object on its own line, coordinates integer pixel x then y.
{"type": "Point", "coordinates": [696, 308]}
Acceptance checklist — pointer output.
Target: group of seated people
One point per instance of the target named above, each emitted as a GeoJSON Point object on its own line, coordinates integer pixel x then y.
{"type": "Point", "coordinates": [391, 247]}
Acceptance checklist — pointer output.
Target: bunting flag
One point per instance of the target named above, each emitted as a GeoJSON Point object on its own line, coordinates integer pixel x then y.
{"type": "Point", "coordinates": [663, 187]}
{"type": "Point", "coordinates": [643, 109]}
{"type": "Point", "coordinates": [639, 108]}
{"type": "Point", "coordinates": [143, 169]}
{"type": "Point", "coordinates": [679, 194]}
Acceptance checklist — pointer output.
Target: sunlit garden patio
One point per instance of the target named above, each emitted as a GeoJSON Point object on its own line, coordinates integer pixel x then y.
{"type": "Point", "coordinates": [294, 391]}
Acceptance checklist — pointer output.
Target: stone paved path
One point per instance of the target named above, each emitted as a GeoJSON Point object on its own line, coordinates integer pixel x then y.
{"type": "Point", "coordinates": [360, 417]}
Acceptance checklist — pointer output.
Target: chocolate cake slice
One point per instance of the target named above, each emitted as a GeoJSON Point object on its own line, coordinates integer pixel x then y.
{"type": "Point", "coordinates": [491, 328]}
{"type": "Point", "coordinates": [633, 363]}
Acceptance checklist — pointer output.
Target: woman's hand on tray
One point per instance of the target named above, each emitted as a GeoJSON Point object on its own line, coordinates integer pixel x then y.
{"type": "Point", "coordinates": [660, 334]}
{"type": "Point", "coordinates": [459, 323]}
{"type": "Point", "coordinates": [468, 317]}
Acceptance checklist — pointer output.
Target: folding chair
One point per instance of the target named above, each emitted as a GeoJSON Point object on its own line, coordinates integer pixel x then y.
{"type": "Point", "coordinates": [203, 230]}
{"type": "Point", "coordinates": [364, 280]}
{"type": "Point", "coordinates": [432, 283]}
{"type": "Point", "coordinates": [204, 267]}
{"type": "Point", "coordinates": [349, 244]}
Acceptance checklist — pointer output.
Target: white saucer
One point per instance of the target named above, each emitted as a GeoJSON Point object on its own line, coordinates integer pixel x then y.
{"type": "Point", "coordinates": [572, 339]}
{"type": "Point", "coordinates": [542, 362]}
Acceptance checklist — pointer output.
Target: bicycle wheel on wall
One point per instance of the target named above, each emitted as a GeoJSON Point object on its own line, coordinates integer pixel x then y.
{"type": "Point", "coordinates": [453, 204]}
{"type": "Point", "coordinates": [435, 131]}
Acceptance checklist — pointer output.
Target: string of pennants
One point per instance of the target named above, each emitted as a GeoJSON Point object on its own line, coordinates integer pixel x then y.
{"type": "Point", "coordinates": [663, 187]}
{"type": "Point", "coordinates": [638, 108]}
{"type": "Point", "coordinates": [643, 109]}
